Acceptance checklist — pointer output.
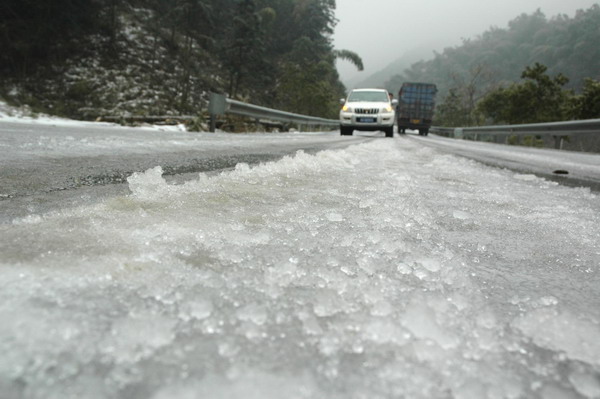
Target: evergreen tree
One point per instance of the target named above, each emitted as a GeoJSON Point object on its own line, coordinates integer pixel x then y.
{"type": "Point", "coordinates": [539, 98]}
{"type": "Point", "coordinates": [163, 56]}
{"type": "Point", "coordinates": [587, 105]}
{"type": "Point", "coordinates": [35, 33]}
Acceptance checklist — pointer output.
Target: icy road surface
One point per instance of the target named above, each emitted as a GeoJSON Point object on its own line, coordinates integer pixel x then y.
{"type": "Point", "coordinates": [384, 270]}
{"type": "Point", "coordinates": [567, 167]}
{"type": "Point", "coordinates": [46, 163]}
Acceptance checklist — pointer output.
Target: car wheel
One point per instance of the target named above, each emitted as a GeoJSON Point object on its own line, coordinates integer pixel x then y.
{"type": "Point", "coordinates": [389, 132]}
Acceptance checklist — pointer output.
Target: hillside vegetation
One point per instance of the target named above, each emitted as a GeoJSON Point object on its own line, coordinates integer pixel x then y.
{"type": "Point", "coordinates": [86, 58]}
{"type": "Point", "coordinates": [562, 50]}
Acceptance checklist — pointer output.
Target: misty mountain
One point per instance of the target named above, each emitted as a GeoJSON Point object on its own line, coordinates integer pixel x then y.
{"type": "Point", "coordinates": [497, 57]}
{"type": "Point", "coordinates": [380, 78]}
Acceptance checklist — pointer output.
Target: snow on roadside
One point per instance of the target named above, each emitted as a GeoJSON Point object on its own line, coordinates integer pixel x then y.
{"type": "Point", "coordinates": [24, 114]}
{"type": "Point", "coordinates": [383, 270]}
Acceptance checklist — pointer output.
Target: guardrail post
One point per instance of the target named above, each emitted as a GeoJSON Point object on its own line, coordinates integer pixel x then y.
{"type": "Point", "coordinates": [216, 106]}
{"type": "Point", "coordinates": [558, 142]}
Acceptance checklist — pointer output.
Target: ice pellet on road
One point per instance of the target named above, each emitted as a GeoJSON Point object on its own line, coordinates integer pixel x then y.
{"type": "Point", "coordinates": [384, 270]}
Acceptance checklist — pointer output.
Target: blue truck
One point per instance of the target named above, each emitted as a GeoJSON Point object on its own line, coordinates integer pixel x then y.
{"type": "Point", "coordinates": [416, 105]}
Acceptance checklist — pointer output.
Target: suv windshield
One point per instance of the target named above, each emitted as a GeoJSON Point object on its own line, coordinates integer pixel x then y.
{"type": "Point", "coordinates": [371, 96]}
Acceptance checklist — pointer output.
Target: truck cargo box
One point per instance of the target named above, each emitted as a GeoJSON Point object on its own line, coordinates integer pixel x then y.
{"type": "Point", "coordinates": [416, 105]}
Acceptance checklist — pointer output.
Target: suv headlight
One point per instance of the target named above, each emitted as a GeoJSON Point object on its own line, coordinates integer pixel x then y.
{"type": "Point", "coordinates": [346, 108]}
{"type": "Point", "coordinates": [387, 110]}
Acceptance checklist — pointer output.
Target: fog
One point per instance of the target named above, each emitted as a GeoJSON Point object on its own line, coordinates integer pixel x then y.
{"type": "Point", "coordinates": [381, 31]}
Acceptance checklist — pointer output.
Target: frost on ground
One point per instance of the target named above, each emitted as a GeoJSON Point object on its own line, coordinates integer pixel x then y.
{"type": "Point", "coordinates": [25, 115]}
{"type": "Point", "coordinates": [385, 270]}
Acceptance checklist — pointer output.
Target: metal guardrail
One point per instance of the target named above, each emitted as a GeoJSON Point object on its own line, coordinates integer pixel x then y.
{"type": "Point", "coordinates": [443, 131]}
{"type": "Point", "coordinates": [220, 104]}
{"type": "Point", "coordinates": [558, 130]}
{"type": "Point", "coordinates": [147, 118]}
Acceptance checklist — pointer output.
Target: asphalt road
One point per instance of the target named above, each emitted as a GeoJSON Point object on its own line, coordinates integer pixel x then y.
{"type": "Point", "coordinates": [44, 167]}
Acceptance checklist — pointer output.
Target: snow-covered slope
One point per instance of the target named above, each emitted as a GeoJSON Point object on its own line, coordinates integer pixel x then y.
{"type": "Point", "coordinates": [25, 115]}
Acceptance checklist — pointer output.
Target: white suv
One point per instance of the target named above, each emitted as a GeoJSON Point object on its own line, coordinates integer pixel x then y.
{"type": "Point", "coordinates": [368, 109]}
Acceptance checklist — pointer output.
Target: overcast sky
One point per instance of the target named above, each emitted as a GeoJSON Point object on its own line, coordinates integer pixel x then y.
{"type": "Point", "coordinates": [380, 31]}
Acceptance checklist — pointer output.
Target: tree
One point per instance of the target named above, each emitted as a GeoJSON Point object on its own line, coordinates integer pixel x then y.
{"type": "Point", "coordinates": [539, 98]}
{"type": "Point", "coordinates": [163, 56]}
{"type": "Point", "coordinates": [307, 81]}
{"type": "Point", "coordinates": [350, 56]}
{"type": "Point", "coordinates": [245, 45]}
{"type": "Point", "coordinates": [33, 33]}
{"type": "Point", "coordinates": [587, 105]}
{"type": "Point", "coordinates": [451, 112]}
{"type": "Point", "coordinates": [194, 19]}
{"type": "Point", "coordinates": [459, 105]}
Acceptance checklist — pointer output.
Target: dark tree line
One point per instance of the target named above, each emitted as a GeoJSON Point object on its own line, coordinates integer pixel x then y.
{"type": "Point", "coordinates": [86, 57]}
{"type": "Point", "coordinates": [35, 33]}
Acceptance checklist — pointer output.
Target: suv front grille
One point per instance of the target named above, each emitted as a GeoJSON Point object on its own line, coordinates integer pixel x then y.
{"type": "Point", "coordinates": [367, 111]}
